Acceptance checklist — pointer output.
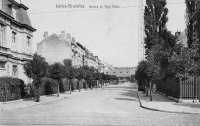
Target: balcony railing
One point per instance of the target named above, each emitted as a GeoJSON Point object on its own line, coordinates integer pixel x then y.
{"type": "Point", "coordinates": [4, 51]}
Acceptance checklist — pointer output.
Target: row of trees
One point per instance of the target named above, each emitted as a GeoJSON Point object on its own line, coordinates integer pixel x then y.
{"type": "Point", "coordinates": [164, 57]}
{"type": "Point", "coordinates": [38, 68]}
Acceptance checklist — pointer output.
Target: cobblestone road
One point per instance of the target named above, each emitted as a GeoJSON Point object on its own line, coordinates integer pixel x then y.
{"type": "Point", "coordinates": [112, 106]}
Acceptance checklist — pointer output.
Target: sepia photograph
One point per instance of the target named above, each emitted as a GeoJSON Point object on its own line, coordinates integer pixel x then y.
{"type": "Point", "coordinates": [99, 62]}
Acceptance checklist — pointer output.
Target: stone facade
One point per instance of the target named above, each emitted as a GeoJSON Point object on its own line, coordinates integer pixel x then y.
{"type": "Point", "coordinates": [16, 35]}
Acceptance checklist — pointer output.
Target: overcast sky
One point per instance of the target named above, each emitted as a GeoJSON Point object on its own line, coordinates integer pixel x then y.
{"type": "Point", "coordinates": [111, 34]}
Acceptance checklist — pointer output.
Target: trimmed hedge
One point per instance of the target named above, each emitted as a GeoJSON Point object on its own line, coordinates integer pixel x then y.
{"type": "Point", "coordinates": [48, 86]}
{"type": "Point", "coordinates": [11, 89]}
{"type": "Point", "coordinates": [169, 86]}
{"type": "Point", "coordinates": [64, 85]}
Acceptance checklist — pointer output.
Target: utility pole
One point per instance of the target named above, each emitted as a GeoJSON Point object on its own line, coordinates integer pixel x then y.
{"type": "Point", "coordinates": [141, 49]}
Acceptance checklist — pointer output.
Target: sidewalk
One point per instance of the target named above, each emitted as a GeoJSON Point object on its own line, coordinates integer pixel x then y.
{"type": "Point", "coordinates": [19, 104]}
{"type": "Point", "coordinates": [164, 104]}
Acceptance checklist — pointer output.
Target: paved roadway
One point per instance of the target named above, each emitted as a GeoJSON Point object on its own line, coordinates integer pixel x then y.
{"type": "Point", "coordinates": [111, 106]}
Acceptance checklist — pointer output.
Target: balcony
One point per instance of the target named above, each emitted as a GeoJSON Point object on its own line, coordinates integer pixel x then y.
{"type": "Point", "coordinates": [4, 51]}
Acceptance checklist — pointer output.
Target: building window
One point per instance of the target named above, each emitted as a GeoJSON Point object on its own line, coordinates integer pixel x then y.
{"type": "Point", "coordinates": [28, 41]}
{"type": "Point", "coordinates": [2, 34]}
{"type": "Point", "coordinates": [2, 64]}
{"type": "Point", "coordinates": [14, 37]}
{"type": "Point", "coordinates": [15, 70]}
{"type": "Point", "coordinates": [14, 13]}
{"type": "Point", "coordinates": [1, 4]}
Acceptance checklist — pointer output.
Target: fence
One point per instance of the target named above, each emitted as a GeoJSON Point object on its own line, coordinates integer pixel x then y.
{"type": "Point", "coordinates": [186, 89]}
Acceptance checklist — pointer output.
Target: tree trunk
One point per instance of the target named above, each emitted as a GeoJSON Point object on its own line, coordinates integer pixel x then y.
{"type": "Point", "coordinates": [91, 85]}
{"type": "Point", "coordinates": [147, 91]}
{"type": "Point", "coordinates": [5, 91]}
{"type": "Point", "coordinates": [78, 86]}
{"type": "Point", "coordinates": [70, 86]}
{"type": "Point", "coordinates": [58, 90]}
{"type": "Point", "coordinates": [150, 91]}
{"type": "Point", "coordinates": [37, 93]}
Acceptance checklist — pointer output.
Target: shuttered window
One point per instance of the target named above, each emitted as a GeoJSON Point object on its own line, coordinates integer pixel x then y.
{"type": "Point", "coordinates": [2, 64]}
{"type": "Point", "coordinates": [2, 34]}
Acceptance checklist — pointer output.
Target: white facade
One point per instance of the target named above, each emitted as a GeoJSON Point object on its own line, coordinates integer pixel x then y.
{"type": "Point", "coordinates": [16, 37]}
{"type": "Point", "coordinates": [78, 57]}
{"type": "Point", "coordinates": [55, 48]}
{"type": "Point", "coordinates": [122, 71]}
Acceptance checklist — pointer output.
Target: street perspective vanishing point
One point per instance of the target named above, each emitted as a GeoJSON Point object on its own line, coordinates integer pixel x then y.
{"type": "Point", "coordinates": [99, 63]}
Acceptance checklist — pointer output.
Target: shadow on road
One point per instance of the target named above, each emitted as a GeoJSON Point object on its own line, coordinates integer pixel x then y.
{"type": "Point", "coordinates": [128, 90]}
{"type": "Point", "coordinates": [129, 93]}
{"type": "Point", "coordinates": [127, 99]}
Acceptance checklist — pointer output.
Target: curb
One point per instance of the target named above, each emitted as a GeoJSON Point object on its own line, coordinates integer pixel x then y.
{"type": "Point", "coordinates": [153, 109]}
{"type": "Point", "coordinates": [45, 102]}
{"type": "Point", "coordinates": [15, 101]}
{"type": "Point", "coordinates": [41, 103]}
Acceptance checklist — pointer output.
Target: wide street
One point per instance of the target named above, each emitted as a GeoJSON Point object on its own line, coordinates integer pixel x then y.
{"type": "Point", "coordinates": [112, 105]}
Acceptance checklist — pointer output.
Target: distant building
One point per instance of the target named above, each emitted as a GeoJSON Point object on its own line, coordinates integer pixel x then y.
{"type": "Point", "coordinates": [107, 68]}
{"type": "Point", "coordinates": [181, 37]}
{"type": "Point", "coordinates": [122, 72]}
{"type": "Point", "coordinates": [55, 48]}
{"type": "Point", "coordinates": [78, 57]}
{"type": "Point", "coordinates": [16, 38]}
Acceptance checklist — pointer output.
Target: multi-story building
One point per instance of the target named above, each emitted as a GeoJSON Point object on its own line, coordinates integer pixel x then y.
{"type": "Point", "coordinates": [107, 67]}
{"type": "Point", "coordinates": [122, 72]}
{"type": "Point", "coordinates": [55, 48]}
{"type": "Point", "coordinates": [16, 36]}
{"type": "Point", "coordinates": [78, 57]}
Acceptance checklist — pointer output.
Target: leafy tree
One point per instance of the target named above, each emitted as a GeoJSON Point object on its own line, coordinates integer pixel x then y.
{"type": "Point", "coordinates": [73, 73]}
{"type": "Point", "coordinates": [81, 73]}
{"type": "Point", "coordinates": [57, 71]}
{"type": "Point", "coordinates": [67, 62]}
{"type": "Point", "coordinates": [36, 69]}
{"type": "Point", "coordinates": [155, 19]}
{"type": "Point", "coordinates": [185, 62]}
{"type": "Point", "coordinates": [152, 68]}
{"type": "Point", "coordinates": [140, 74]}
{"type": "Point", "coordinates": [190, 9]}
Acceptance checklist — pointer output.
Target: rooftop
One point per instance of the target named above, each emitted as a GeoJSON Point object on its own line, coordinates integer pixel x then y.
{"type": "Point", "coordinates": [22, 18]}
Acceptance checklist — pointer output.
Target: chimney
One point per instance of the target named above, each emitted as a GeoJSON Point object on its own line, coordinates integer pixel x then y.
{"type": "Point", "coordinates": [45, 34]}
{"type": "Point", "coordinates": [62, 34]}
{"type": "Point", "coordinates": [68, 36]}
{"type": "Point", "coordinates": [177, 34]}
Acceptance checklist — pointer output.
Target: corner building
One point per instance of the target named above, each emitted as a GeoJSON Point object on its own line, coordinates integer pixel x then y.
{"type": "Point", "coordinates": [16, 35]}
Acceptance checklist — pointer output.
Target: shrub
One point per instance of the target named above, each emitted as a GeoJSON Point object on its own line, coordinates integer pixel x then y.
{"type": "Point", "coordinates": [64, 85]}
{"type": "Point", "coordinates": [49, 86]}
{"type": "Point", "coordinates": [11, 88]}
{"type": "Point", "coordinates": [30, 91]}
